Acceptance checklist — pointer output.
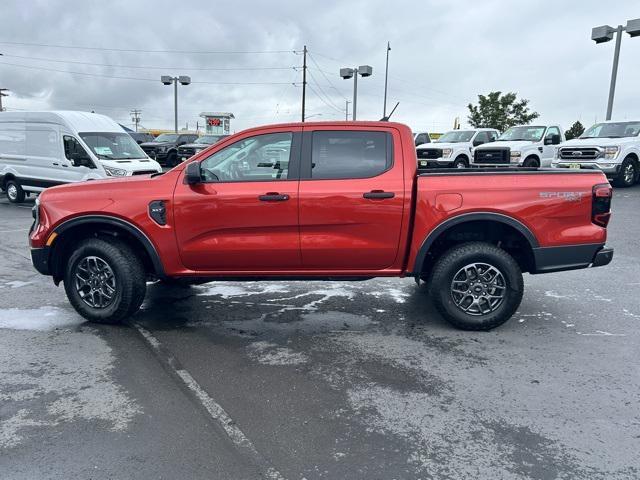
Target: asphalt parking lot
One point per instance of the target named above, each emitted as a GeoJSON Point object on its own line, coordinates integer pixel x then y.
{"type": "Point", "coordinates": [322, 379]}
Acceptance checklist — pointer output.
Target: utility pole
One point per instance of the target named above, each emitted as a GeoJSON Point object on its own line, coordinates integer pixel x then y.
{"type": "Point", "coordinates": [386, 77]}
{"type": "Point", "coordinates": [304, 78]}
{"type": "Point", "coordinates": [135, 117]}
{"type": "Point", "coordinates": [346, 109]}
{"type": "Point", "coordinates": [2, 94]}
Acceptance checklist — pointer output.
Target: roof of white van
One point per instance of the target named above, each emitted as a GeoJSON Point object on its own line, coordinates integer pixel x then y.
{"type": "Point", "coordinates": [77, 121]}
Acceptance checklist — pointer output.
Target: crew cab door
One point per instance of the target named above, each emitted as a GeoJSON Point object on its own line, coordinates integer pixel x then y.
{"type": "Point", "coordinates": [243, 216]}
{"type": "Point", "coordinates": [351, 198]}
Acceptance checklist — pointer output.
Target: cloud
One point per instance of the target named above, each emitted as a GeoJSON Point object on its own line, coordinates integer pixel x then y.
{"type": "Point", "coordinates": [443, 55]}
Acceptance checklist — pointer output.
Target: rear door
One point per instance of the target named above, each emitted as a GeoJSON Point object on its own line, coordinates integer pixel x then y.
{"type": "Point", "coordinates": [244, 216]}
{"type": "Point", "coordinates": [351, 198]}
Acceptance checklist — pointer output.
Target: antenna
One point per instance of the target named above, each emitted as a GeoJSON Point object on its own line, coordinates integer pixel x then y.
{"type": "Point", "coordinates": [386, 119]}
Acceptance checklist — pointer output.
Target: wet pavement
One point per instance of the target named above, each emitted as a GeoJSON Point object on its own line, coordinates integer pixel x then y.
{"type": "Point", "coordinates": [322, 379]}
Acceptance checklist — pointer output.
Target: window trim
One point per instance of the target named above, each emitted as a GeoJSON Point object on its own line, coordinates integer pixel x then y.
{"type": "Point", "coordinates": [307, 150]}
{"type": "Point", "coordinates": [293, 173]}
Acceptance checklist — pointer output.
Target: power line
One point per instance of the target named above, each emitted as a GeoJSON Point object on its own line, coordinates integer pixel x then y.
{"type": "Point", "coordinates": [323, 92]}
{"type": "Point", "coordinates": [142, 67]}
{"type": "Point", "coordinates": [323, 100]}
{"type": "Point", "coordinates": [325, 77]}
{"type": "Point", "coordinates": [135, 50]}
{"type": "Point", "coordinates": [155, 80]}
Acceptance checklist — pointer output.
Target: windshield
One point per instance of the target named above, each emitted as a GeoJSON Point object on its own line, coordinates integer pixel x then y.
{"type": "Point", "coordinates": [613, 130]}
{"type": "Point", "coordinates": [456, 136]}
{"type": "Point", "coordinates": [208, 139]}
{"type": "Point", "coordinates": [531, 134]}
{"type": "Point", "coordinates": [166, 137]}
{"type": "Point", "coordinates": [113, 145]}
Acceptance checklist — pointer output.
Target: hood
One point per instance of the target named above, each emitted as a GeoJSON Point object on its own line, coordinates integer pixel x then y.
{"type": "Point", "coordinates": [200, 146]}
{"type": "Point", "coordinates": [599, 142]}
{"type": "Point", "coordinates": [512, 145]}
{"type": "Point", "coordinates": [156, 144]}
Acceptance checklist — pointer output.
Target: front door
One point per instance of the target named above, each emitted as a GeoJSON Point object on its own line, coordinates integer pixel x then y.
{"type": "Point", "coordinates": [244, 216]}
{"type": "Point", "coordinates": [351, 199]}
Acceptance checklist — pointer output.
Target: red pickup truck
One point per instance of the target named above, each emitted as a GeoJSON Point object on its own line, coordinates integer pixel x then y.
{"type": "Point", "coordinates": [335, 200]}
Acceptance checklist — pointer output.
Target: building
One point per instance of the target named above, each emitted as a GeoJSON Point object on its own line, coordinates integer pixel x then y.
{"type": "Point", "coordinates": [217, 123]}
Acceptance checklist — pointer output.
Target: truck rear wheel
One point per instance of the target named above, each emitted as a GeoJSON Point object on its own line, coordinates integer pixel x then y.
{"type": "Point", "coordinates": [15, 193]}
{"type": "Point", "coordinates": [476, 286]}
{"type": "Point", "coordinates": [104, 281]}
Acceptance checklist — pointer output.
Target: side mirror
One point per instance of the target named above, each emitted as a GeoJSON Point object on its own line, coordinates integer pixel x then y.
{"type": "Point", "coordinates": [193, 175]}
{"type": "Point", "coordinates": [477, 142]}
{"type": "Point", "coordinates": [553, 139]}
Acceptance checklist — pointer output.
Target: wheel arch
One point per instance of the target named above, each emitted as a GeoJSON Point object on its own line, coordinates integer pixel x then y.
{"type": "Point", "coordinates": [482, 226]}
{"type": "Point", "coordinates": [79, 228]}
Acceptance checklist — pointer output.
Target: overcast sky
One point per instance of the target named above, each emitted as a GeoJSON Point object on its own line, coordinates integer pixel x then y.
{"type": "Point", "coordinates": [443, 54]}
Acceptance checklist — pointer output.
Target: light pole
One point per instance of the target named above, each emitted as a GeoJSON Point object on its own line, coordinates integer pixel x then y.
{"type": "Point", "coordinates": [168, 80]}
{"type": "Point", "coordinates": [604, 34]}
{"type": "Point", "coordinates": [347, 73]}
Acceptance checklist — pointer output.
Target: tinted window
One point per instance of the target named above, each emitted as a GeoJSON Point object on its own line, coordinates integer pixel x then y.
{"type": "Point", "coordinates": [481, 138]}
{"type": "Point", "coordinates": [349, 154]}
{"type": "Point", "coordinates": [42, 143]}
{"type": "Point", "coordinates": [258, 158]}
{"type": "Point", "coordinates": [552, 131]}
{"type": "Point", "coordinates": [493, 136]}
{"type": "Point", "coordinates": [76, 152]}
{"type": "Point", "coordinates": [422, 138]}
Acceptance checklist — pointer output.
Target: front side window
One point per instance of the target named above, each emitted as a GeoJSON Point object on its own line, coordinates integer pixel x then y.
{"type": "Point", "coordinates": [493, 136]}
{"type": "Point", "coordinates": [481, 138]}
{"type": "Point", "coordinates": [422, 138]}
{"type": "Point", "coordinates": [113, 145]}
{"type": "Point", "coordinates": [355, 154]}
{"type": "Point", "coordinates": [532, 134]}
{"type": "Point", "coordinates": [553, 131]}
{"type": "Point", "coordinates": [258, 158]}
{"type": "Point", "coordinates": [76, 152]}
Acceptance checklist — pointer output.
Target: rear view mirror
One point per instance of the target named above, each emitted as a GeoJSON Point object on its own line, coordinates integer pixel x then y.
{"type": "Point", "coordinates": [193, 173]}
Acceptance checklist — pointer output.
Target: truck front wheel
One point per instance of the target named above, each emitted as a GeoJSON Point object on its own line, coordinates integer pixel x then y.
{"type": "Point", "coordinates": [476, 286]}
{"type": "Point", "coordinates": [628, 174]}
{"type": "Point", "coordinates": [104, 281]}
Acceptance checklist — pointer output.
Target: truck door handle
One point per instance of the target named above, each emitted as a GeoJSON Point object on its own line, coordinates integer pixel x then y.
{"type": "Point", "coordinates": [273, 197]}
{"type": "Point", "coordinates": [378, 194]}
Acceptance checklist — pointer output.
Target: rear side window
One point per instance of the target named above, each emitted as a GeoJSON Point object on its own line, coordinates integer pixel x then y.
{"type": "Point", "coordinates": [356, 154]}
{"type": "Point", "coordinates": [43, 143]}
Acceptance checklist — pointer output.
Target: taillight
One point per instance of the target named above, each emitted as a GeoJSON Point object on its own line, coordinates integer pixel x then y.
{"type": "Point", "coordinates": [601, 204]}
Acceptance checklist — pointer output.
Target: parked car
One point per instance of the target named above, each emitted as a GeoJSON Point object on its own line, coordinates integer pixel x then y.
{"type": "Point", "coordinates": [164, 148]}
{"type": "Point", "coordinates": [612, 147]}
{"type": "Point", "coordinates": [43, 149]}
{"type": "Point", "coordinates": [454, 149]}
{"type": "Point", "coordinates": [525, 146]}
{"type": "Point", "coordinates": [421, 138]}
{"type": "Point", "coordinates": [318, 201]}
{"type": "Point", "coordinates": [190, 149]}
{"type": "Point", "coordinates": [141, 137]}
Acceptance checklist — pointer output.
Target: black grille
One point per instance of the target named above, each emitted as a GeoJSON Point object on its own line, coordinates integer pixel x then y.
{"type": "Point", "coordinates": [149, 150]}
{"type": "Point", "coordinates": [493, 156]}
{"type": "Point", "coordinates": [186, 152]}
{"type": "Point", "coordinates": [579, 153]}
{"type": "Point", "coordinates": [429, 153]}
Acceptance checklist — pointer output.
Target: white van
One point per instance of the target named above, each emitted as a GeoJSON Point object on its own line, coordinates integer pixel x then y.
{"type": "Point", "coordinates": [43, 149]}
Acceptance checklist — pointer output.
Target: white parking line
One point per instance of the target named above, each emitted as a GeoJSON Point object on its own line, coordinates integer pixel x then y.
{"type": "Point", "coordinates": [18, 230]}
{"type": "Point", "coordinates": [214, 409]}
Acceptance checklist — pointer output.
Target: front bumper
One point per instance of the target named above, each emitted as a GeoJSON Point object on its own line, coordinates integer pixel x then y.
{"type": "Point", "coordinates": [610, 170]}
{"type": "Point", "coordinates": [40, 260]}
{"type": "Point", "coordinates": [571, 257]}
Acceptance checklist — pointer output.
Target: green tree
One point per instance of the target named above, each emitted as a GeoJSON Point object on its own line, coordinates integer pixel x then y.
{"type": "Point", "coordinates": [575, 131]}
{"type": "Point", "coordinates": [500, 111]}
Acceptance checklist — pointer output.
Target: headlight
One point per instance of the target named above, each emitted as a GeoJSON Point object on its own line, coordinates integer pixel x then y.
{"type": "Point", "coordinates": [446, 152]}
{"type": "Point", "coordinates": [610, 153]}
{"type": "Point", "coordinates": [515, 156]}
{"type": "Point", "coordinates": [115, 172]}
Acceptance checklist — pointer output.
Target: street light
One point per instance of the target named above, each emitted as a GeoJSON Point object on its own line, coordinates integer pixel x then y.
{"type": "Point", "coordinates": [347, 73]}
{"type": "Point", "coordinates": [168, 80]}
{"type": "Point", "coordinates": [604, 33]}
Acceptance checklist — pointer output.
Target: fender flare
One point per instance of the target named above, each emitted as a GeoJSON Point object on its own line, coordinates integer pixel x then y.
{"type": "Point", "coordinates": [470, 217]}
{"type": "Point", "coordinates": [127, 226]}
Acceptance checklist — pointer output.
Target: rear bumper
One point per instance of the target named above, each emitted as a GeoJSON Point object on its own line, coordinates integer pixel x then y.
{"type": "Point", "coordinates": [571, 257]}
{"type": "Point", "coordinates": [40, 260]}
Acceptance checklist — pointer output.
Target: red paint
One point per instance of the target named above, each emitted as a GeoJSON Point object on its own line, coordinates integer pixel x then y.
{"type": "Point", "coordinates": [326, 227]}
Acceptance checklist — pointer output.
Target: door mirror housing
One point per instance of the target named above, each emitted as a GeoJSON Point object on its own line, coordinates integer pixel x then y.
{"type": "Point", "coordinates": [80, 160]}
{"type": "Point", "coordinates": [477, 142]}
{"type": "Point", "coordinates": [193, 174]}
{"type": "Point", "coordinates": [553, 139]}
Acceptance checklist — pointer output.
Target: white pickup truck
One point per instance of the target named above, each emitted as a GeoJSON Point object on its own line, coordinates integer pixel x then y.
{"type": "Point", "coordinates": [454, 149]}
{"type": "Point", "coordinates": [420, 138]}
{"type": "Point", "coordinates": [613, 147]}
{"type": "Point", "coordinates": [521, 146]}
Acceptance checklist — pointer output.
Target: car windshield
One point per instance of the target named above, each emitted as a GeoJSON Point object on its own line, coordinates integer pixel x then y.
{"type": "Point", "coordinates": [456, 136]}
{"type": "Point", "coordinates": [166, 137]}
{"type": "Point", "coordinates": [613, 130]}
{"type": "Point", "coordinates": [208, 139]}
{"type": "Point", "coordinates": [531, 134]}
{"type": "Point", "coordinates": [113, 145]}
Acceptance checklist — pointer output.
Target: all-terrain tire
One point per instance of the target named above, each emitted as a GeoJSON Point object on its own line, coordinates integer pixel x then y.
{"type": "Point", "coordinates": [122, 265]}
{"type": "Point", "coordinates": [450, 303]}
